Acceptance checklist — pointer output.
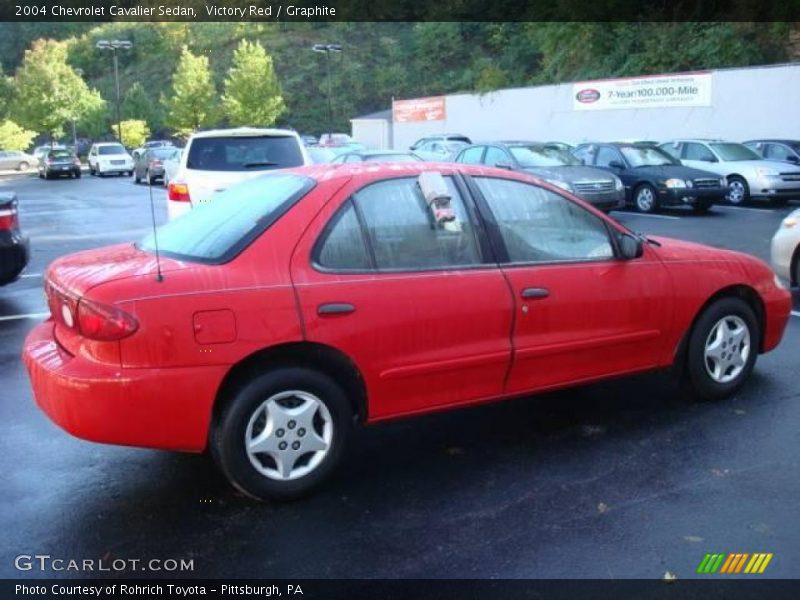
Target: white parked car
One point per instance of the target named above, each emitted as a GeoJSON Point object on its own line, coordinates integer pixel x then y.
{"type": "Point", "coordinates": [108, 158]}
{"type": "Point", "coordinates": [785, 253]}
{"type": "Point", "coordinates": [214, 160]}
{"type": "Point", "coordinates": [748, 175]}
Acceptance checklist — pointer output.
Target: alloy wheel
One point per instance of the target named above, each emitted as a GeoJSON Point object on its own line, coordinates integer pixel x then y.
{"type": "Point", "coordinates": [727, 349]}
{"type": "Point", "coordinates": [645, 199]}
{"type": "Point", "coordinates": [736, 192]}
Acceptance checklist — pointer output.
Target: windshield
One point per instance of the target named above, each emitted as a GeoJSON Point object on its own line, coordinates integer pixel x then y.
{"type": "Point", "coordinates": [237, 153]}
{"type": "Point", "coordinates": [216, 231]}
{"type": "Point", "coordinates": [541, 155]}
{"type": "Point", "coordinates": [646, 156]}
{"type": "Point", "coordinates": [731, 151]}
{"type": "Point", "coordinates": [114, 149]}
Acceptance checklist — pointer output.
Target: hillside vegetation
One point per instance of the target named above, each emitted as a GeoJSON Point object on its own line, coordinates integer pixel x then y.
{"type": "Point", "coordinates": [401, 60]}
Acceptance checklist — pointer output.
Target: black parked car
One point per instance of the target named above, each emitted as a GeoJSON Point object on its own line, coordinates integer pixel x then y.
{"type": "Point", "coordinates": [785, 150]}
{"type": "Point", "coordinates": [60, 162]}
{"type": "Point", "coordinates": [598, 187]}
{"type": "Point", "coordinates": [14, 252]}
{"type": "Point", "coordinates": [652, 178]}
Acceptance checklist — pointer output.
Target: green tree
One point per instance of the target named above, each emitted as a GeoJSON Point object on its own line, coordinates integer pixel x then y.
{"type": "Point", "coordinates": [139, 105]}
{"type": "Point", "coordinates": [49, 93]}
{"type": "Point", "coordinates": [191, 103]}
{"type": "Point", "coordinates": [14, 137]}
{"type": "Point", "coordinates": [6, 92]}
{"type": "Point", "coordinates": [252, 92]}
{"type": "Point", "coordinates": [134, 132]}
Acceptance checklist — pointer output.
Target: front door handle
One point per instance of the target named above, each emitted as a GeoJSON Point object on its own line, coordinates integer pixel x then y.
{"type": "Point", "coordinates": [335, 308]}
{"type": "Point", "coordinates": [534, 293]}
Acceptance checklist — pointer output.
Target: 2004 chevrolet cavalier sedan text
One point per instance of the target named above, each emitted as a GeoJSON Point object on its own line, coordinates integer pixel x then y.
{"type": "Point", "coordinates": [308, 300]}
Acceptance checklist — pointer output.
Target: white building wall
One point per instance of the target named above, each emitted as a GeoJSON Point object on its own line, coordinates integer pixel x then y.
{"type": "Point", "coordinates": [373, 133]}
{"type": "Point", "coordinates": [745, 103]}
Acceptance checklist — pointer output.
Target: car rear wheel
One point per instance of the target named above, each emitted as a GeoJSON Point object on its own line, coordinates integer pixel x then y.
{"type": "Point", "coordinates": [645, 198]}
{"type": "Point", "coordinates": [722, 349]}
{"type": "Point", "coordinates": [149, 177]}
{"type": "Point", "coordinates": [738, 191]}
{"type": "Point", "coordinates": [23, 166]}
{"type": "Point", "coordinates": [281, 433]}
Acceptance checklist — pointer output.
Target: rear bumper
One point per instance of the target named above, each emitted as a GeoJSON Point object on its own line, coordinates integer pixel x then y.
{"type": "Point", "coordinates": [14, 255]}
{"type": "Point", "coordinates": [154, 408]}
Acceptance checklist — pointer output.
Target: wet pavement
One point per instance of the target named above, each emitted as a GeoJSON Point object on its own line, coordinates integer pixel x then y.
{"type": "Point", "coordinates": [620, 479]}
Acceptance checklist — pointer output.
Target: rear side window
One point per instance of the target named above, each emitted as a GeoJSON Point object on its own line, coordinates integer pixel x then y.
{"type": "Point", "coordinates": [471, 156]}
{"type": "Point", "coordinates": [216, 231]}
{"type": "Point", "coordinates": [115, 149]}
{"type": "Point", "coordinates": [237, 153]}
{"type": "Point", "coordinates": [343, 247]}
{"type": "Point", "coordinates": [404, 234]}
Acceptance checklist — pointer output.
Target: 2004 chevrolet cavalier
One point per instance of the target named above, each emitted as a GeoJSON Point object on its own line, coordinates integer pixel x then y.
{"type": "Point", "coordinates": [300, 303]}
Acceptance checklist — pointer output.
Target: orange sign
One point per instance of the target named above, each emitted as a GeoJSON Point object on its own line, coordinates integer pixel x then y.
{"type": "Point", "coordinates": [419, 109]}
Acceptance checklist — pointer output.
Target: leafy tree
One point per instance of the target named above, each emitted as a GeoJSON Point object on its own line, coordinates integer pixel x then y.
{"type": "Point", "coordinates": [252, 92]}
{"type": "Point", "coordinates": [140, 105]}
{"type": "Point", "coordinates": [14, 137]}
{"type": "Point", "coordinates": [134, 132]}
{"type": "Point", "coordinates": [192, 102]}
{"type": "Point", "coordinates": [6, 92]}
{"type": "Point", "coordinates": [49, 93]}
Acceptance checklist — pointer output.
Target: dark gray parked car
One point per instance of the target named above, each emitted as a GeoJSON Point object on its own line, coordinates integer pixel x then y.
{"type": "Point", "coordinates": [60, 162]}
{"type": "Point", "coordinates": [600, 188]}
{"type": "Point", "coordinates": [149, 165]}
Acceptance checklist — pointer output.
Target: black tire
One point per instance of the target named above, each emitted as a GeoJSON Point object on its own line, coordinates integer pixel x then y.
{"type": "Point", "coordinates": [701, 208]}
{"type": "Point", "coordinates": [738, 191]}
{"type": "Point", "coordinates": [91, 171]}
{"type": "Point", "coordinates": [698, 378]}
{"type": "Point", "coordinates": [41, 174]}
{"type": "Point", "coordinates": [136, 178]}
{"type": "Point", "coordinates": [779, 201]}
{"type": "Point", "coordinates": [640, 194]}
{"type": "Point", "coordinates": [129, 173]}
{"type": "Point", "coordinates": [149, 177]}
{"type": "Point", "coordinates": [230, 429]}
{"type": "Point", "coordinates": [77, 174]}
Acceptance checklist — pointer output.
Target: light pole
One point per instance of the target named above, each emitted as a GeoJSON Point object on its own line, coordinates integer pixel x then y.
{"type": "Point", "coordinates": [74, 132]}
{"type": "Point", "coordinates": [327, 49]}
{"type": "Point", "coordinates": [115, 45]}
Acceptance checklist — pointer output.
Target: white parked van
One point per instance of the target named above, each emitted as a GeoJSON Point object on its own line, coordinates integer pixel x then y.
{"type": "Point", "coordinates": [108, 158]}
{"type": "Point", "coordinates": [214, 160]}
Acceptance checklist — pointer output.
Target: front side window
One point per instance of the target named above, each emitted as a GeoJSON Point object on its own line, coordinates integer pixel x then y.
{"type": "Point", "coordinates": [216, 231]}
{"type": "Point", "coordinates": [494, 156]}
{"type": "Point", "coordinates": [695, 151]}
{"type": "Point", "coordinates": [404, 233]}
{"type": "Point", "coordinates": [540, 226]}
{"type": "Point", "coordinates": [584, 153]}
{"type": "Point", "coordinates": [471, 156]}
{"type": "Point", "coordinates": [778, 152]}
{"type": "Point", "coordinates": [730, 151]}
{"type": "Point", "coordinates": [673, 149]}
{"type": "Point", "coordinates": [606, 155]}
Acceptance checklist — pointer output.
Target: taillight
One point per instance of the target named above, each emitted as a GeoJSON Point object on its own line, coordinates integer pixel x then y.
{"type": "Point", "coordinates": [8, 219]}
{"type": "Point", "coordinates": [178, 192]}
{"type": "Point", "coordinates": [155, 163]}
{"type": "Point", "coordinates": [91, 319]}
{"type": "Point", "coordinates": [102, 322]}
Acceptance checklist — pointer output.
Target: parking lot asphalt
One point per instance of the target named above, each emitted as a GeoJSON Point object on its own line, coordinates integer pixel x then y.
{"type": "Point", "coordinates": [621, 479]}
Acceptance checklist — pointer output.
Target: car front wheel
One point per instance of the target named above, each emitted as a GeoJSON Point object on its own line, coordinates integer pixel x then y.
{"type": "Point", "coordinates": [722, 349]}
{"type": "Point", "coordinates": [645, 198]}
{"type": "Point", "coordinates": [281, 433]}
{"type": "Point", "coordinates": [738, 192]}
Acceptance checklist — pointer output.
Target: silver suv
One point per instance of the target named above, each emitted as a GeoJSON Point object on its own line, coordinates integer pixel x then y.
{"type": "Point", "coordinates": [749, 175]}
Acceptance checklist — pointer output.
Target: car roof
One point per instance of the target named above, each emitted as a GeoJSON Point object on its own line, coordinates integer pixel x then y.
{"type": "Point", "coordinates": [243, 132]}
{"type": "Point", "coordinates": [772, 140]}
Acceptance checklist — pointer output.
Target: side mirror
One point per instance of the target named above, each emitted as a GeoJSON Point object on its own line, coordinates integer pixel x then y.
{"type": "Point", "coordinates": [630, 246]}
{"type": "Point", "coordinates": [503, 165]}
{"type": "Point", "coordinates": [793, 158]}
{"type": "Point", "coordinates": [711, 159]}
{"type": "Point", "coordinates": [615, 164]}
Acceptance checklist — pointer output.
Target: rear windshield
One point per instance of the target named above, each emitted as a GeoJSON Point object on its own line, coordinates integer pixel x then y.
{"type": "Point", "coordinates": [115, 149]}
{"type": "Point", "coordinates": [244, 153]}
{"type": "Point", "coordinates": [162, 153]}
{"type": "Point", "coordinates": [60, 154]}
{"type": "Point", "coordinates": [216, 231]}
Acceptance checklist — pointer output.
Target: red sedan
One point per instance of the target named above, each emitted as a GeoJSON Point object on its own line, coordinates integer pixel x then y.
{"type": "Point", "coordinates": [302, 302]}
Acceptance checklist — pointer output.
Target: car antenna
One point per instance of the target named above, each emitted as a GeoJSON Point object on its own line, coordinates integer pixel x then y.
{"type": "Point", "coordinates": [159, 276]}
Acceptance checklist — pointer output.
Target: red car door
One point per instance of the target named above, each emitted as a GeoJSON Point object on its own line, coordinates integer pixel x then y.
{"type": "Point", "coordinates": [416, 305]}
{"type": "Point", "coordinates": [581, 313]}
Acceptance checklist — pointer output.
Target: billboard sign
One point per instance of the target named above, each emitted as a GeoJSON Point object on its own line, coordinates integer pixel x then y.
{"type": "Point", "coordinates": [653, 91]}
{"type": "Point", "coordinates": [418, 109]}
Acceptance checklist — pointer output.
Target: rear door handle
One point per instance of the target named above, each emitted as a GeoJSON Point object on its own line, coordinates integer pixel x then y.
{"type": "Point", "coordinates": [335, 308]}
{"type": "Point", "coordinates": [534, 293]}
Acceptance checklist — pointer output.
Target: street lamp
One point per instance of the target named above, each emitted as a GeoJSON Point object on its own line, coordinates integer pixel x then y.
{"type": "Point", "coordinates": [327, 49]}
{"type": "Point", "coordinates": [115, 45]}
{"type": "Point", "coordinates": [74, 132]}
